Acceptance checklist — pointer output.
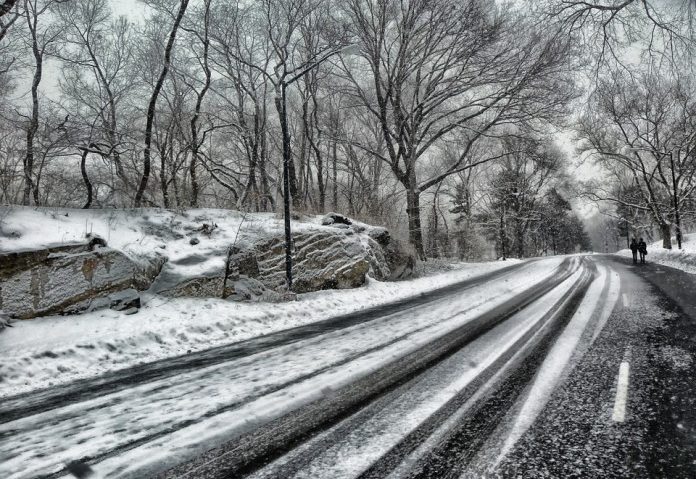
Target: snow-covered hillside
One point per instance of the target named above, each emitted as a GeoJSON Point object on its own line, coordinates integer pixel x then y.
{"type": "Point", "coordinates": [138, 233]}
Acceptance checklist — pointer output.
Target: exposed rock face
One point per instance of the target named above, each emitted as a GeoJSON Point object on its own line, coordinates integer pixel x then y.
{"type": "Point", "coordinates": [65, 279]}
{"type": "Point", "coordinates": [4, 321]}
{"type": "Point", "coordinates": [172, 285]}
{"type": "Point", "coordinates": [326, 259]}
{"type": "Point", "coordinates": [214, 285]}
{"type": "Point", "coordinates": [234, 281]}
{"type": "Point", "coordinates": [321, 260]}
{"type": "Point", "coordinates": [399, 260]}
{"type": "Point", "coordinates": [77, 277]}
{"type": "Point", "coordinates": [118, 301]}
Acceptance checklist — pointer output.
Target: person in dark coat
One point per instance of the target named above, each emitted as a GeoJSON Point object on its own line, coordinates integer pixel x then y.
{"type": "Point", "coordinates": [643, 250]}
{"type": "Point", "coordinates": [634, 250]}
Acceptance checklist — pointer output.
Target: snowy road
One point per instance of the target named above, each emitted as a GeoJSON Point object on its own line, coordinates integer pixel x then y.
{"type": "Point", "coordinates": [449, 384]}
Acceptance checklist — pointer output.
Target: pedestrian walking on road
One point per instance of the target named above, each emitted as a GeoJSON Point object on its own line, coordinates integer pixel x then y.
{"type": "Point", "coordinates": [634, 250]}
{"type": "Point", "coordinates": [643, 250]}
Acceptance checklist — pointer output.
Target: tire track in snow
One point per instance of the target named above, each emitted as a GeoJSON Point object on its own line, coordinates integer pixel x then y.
{"type": "Point", "coordinates": [35, 402]}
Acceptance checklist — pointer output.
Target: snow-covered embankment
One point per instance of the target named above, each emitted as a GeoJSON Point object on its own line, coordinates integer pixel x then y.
{"type": "Point", "coordinates": [683, 259]}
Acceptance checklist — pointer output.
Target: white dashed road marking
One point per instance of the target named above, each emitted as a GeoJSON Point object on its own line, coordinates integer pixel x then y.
{"type": "Point", "coordinates": [619, 414]}
{"type": "Point", "coordinates": [624, 297]}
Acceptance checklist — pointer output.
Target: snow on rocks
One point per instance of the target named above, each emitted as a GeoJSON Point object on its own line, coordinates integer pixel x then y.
{"type": "Point", "coordinates": [336, 219]}
{"type": "Point", "coordinates": [200, 253]}
{"type": "Point", "coordinates": [64, 279]}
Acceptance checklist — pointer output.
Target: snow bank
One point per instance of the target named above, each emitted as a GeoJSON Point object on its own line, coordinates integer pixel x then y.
{"type": "Point", "coordinates": [53, 350]}
{"type": "Point", "coordinates": [683, 259]}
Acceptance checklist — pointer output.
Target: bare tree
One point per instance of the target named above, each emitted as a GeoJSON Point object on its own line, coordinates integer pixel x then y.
{"type": "Point", "coordinates": [242, 57]}
{"type": "Point", "coordinates": [201, 34]}
{"type": "Point", "coordinates": [97, 74]}
{"type": "Point", "coordinates": [43, 35]}
{"type": "Point", "coordinates": [151, 109]}
{"type": "Point", "coordinates": [439, 71]}
{"type": "Point", "coordinates": [6, 10]}
{"type": "Point", "coordinates": [643, 126]}
{"type": "Point", "coordinates": [606, 27]}
{"type": "Point", "coordinates": [281, 22]}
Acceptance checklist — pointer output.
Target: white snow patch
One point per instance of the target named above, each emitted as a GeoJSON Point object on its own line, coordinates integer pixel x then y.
{"type": "Point", "coordinates": [612, 296]}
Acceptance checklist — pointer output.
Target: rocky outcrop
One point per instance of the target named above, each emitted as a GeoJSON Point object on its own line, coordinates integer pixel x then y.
{"type": "Point", "coordinates": [127, 300]}
{"type": "Point", "coordinates": [236, 280]}
{"type": "Point", "coordinates": [321, 260]}
{"type": "Point", "coordinates": [215, 285]}
{"type": "Point", "coordinates": [66, 279]}
{"type": "Point", "coordinates": [72, 278]}
{"type": "Point", "coordinates": [336, 219]}
{"type": "Point", "coordinates": [338, 257]}
{"type": "Point", "coordinates": [399, 260]}
{"type": "Point", "coordinates": [5, 321]}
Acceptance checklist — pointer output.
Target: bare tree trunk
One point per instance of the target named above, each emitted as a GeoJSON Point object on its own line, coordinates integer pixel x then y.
{"type": "Point", "coordinates": [334, 167]}
{"type": "Point", "coordinates": [666, 232]}
{"type": "Point", "coordinates": [519, 233]}
{"type": "Point", "coordinates": [303, 186]}
{"type": "Point", "coordinates": [6, 7]}
{"type": "Point", "coordinates": [164, 184]}
{"type": "Point", "coordinates": [153, 103]}
{"type": "Point", "coordinates": [29, 186]}
{"type": "Point", "coordinates": [266, 196]}
{"type": "Point", "coordinates": [434, 250]}
{"type": "Point", "coordinates": [415, 233]}
{"type": "Point", "coordinates": [321, 186]}
{"type": "Point", "coordinates": [199, 102]}
{"type": "Point", "coordinates": [85, 178]}
{"type": "Point", "coordinates": [503, 235]}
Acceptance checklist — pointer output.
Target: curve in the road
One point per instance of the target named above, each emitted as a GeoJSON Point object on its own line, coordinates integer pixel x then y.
{"type": "Point", "coordinates": [246, 454]}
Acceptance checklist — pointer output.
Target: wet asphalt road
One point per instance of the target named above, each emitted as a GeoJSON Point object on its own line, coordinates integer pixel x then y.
{"type": "Point", "coordinates": [653, 328]}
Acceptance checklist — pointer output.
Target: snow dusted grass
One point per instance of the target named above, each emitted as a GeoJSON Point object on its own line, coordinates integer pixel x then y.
{"type": "Point", "coordinates": [683, 259]}
{"type": "Point", "coordinates": [55, 350]}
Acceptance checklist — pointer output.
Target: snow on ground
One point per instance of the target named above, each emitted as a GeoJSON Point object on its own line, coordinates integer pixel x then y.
{"type": "Point", "coordinates": [227, 398]}
{"type": "Point", "coordinates": [683, 259]}
{"type": "Point", "coordinates": [142, 233]}
{"type": "Point", "coordinates": [54, 350]}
